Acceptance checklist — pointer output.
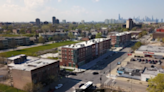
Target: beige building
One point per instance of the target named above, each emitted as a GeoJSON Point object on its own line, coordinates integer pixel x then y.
{"type": "Point", "coordinates": [26, 69]}
{"type": "Point", "coordinates": [129, 24]}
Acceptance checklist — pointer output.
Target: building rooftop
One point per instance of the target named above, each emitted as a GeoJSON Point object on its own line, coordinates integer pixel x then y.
{"type": "Point", "coordinates": [155, 49]}
{"type": "Point", "coordinates": [135, 31]}
{"type": "Point", "coordinates": [153, 71]}
{"type": "Point", "coordinates": [86, 43]}
{"type": "Point", "coordinates": [31, 63]}
{"type": "Point", "coordinates": [119, 34]}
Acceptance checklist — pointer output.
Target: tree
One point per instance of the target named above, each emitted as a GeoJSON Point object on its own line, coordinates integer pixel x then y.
{"type": "Point", "coordinates": [163, 40]}
{"type": "Point", "coordinates": [41, 40]}
{"type": "Point", "coordinates": [31, 87]}
{"type": "Point", "coordinates": [156, 84]}
{"type": "Point", "coordinates": [98, 35]}
{"type": "Point", "coordinates": [2, 58]}
{"type": "Point", "coordinates": [158, 39]}
{"type": "Point", "coordinates": [50, 38]}
{"type": "Point", "coordinates": [70, 35]}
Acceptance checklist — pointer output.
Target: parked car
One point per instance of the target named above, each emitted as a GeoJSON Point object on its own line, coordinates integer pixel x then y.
{"type": "Point", "coordinates": [118, 63]}
{"type": "Point", "coordinates": [58, 86]}
{"type": "Point", "coordinates": [95, 73]}
{"type": "Point", "coordinates": [81, 85]}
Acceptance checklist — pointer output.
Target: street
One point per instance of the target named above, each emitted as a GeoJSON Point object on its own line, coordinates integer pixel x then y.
{"type": "Point", "coordinates": [102, 67]}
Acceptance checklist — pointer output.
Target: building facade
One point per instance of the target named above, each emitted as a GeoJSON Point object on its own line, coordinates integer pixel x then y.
{"type": "Point", "coordinates": [17, 41]}
{"type": "Point", "coordinates": [37, 21]}
{"type": "Point", "coordinates": [129, 24]}
{"type": "Point", "coordinates": [119, 39]}
{"type": "Point", "coordinates": [53, 20]}
{"type": "Point", "coordinates": [76, 55]}
{"type": "Point", "coordinates": [31, 70]}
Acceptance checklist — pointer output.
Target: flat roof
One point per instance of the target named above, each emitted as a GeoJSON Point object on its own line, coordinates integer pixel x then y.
{"type": "Point", "coordinates": [31, 63]}
{"type": "Point", "coordinates": [85, 43]}
{"type": "Point", "coordinates": [153, 71]}
{"type": "Point", "coordinates": [155, 49]}
{"type": "Point", "coordinates": [119, 34]}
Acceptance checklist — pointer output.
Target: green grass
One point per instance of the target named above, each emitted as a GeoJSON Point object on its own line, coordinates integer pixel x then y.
{"type": "Point", "coordinates": [5, 88]}
{"type": "Point", "coordinates": [33, 50]}
{"type": "Point", "coordinates": [69, 70]}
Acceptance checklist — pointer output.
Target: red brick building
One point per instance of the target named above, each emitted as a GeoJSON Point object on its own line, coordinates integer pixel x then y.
{"type": "Point", "coordinates": [76, 55]}
{"type": "Point", "coordinates": [119, 39]}
{"type": "Point", "coordinates": [32, 70]}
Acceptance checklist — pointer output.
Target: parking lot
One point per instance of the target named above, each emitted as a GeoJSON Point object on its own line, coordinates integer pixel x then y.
{"type": "Point", "coordinates": [141, 62]}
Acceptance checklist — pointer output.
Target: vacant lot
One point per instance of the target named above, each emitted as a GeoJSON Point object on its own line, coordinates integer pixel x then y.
{"type": "Point", "coordinates": [33, 50]}
{"type": "Point", "coordinates": [5, 88]}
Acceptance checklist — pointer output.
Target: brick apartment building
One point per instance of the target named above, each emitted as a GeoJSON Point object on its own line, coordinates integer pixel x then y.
{"type": "Point", "coordinates": [119, 39]}
{"type": "Point", "coordinates": [76, 55]}
{"type": "Point", "coordinates": [26, 69]}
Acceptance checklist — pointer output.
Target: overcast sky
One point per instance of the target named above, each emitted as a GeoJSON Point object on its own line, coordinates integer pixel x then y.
{"type": "Point", "coordinates": [77, 10]}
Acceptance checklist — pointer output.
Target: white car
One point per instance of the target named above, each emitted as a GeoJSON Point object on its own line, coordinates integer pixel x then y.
{"type": "Point", "coordinates": [58, 86]}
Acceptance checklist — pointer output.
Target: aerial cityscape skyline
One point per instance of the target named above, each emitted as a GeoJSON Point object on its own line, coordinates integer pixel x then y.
{"type": "Point", "coordinates": [29, 10]}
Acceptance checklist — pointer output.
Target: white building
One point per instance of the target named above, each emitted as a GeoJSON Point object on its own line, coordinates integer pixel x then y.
{"type": "Point", "coordinates": [150, 73]}
{"type": "Point", "coordinates": [150, 51]}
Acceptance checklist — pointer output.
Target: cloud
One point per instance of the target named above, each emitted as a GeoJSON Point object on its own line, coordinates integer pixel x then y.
{"type": "Point", "coordinates": [35, 4]}
{"type": "Point", "coordinates": [97, 0]}
{"type": "Point", "coordinates": [59, 0]}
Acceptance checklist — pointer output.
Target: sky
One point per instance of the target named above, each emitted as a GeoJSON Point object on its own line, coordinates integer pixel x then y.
{"type": "Point", "coordinates": [77, 10]}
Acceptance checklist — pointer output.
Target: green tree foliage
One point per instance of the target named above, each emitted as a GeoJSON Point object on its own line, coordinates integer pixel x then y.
{"type": "Point", "coordinates": [163, 40]}
{"type": "Point", "coordinates": [98, 35]}
{"type": "Point", "coordinates": [31, 87]}
{"type": "Point", "coordinates": [45, 28]}
{"type": "Point", "coordinates": [70, 35]}
{"type": "Point", "coordinates": [136, 46]}
{"type": "Point", "coordinates": [41, 40]}
{"type": "Point", "coordinates": [156, 84]}
{"type": "Point", "coordinates": [50, 38]}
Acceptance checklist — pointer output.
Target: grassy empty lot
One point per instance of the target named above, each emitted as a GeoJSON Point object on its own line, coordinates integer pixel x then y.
{"type": "Point", "coordinates": [30, 51]}
{"type": "Point", "coordinates": [5, 88]}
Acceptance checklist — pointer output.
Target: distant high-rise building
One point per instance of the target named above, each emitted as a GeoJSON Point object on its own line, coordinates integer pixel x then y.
{"type": "Point", "coordinates": [106, 21]}
{"type": "Point", "coordinates": [112, 21]}
{"type": "Point", "coordinates": [82, 21]}
{"type": "Point", "coordinates": [63, 21]}
{"type": "Point", "coordinates": [57, 21]}
{"type": "Point", "coordinates": [156, 20]}
{"type": "Point", "coordinates": [53, 20]}
{"type": "Point", "coordinates": [152, 18]}
{"type": "Point", "coordinates": [37, 21]}
{"type": "Point", "coordinates": [161, 20]}
{"type": "Point", "coordinates": [129, 24]}
{"type": "Point", "coordinates": [118, 16]}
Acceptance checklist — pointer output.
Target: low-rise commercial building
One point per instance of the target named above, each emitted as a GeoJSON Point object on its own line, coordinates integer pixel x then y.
{"type": "Point", "coordinates": [76, 55]}
{"type": "Point", "coordinates": [26, 69]}
{"type": "Point", "coordinates": [150, 51]}
{"type": "Point", "coordinates": [150, 73]}
{"type": "Point", "coordinates": [119, 39]}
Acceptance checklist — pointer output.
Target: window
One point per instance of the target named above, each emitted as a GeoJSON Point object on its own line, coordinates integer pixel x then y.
{"type": "Point", "coordinates": [74, 65]}
{"type": "Point", "coordinates": [69, 64]}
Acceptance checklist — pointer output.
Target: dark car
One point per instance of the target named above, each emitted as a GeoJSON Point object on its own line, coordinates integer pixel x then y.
{"type": "Point", "coordinates": [72, 73]}
{"type": "Point", "coordinates": [81, 85]}
{"type": "Point", "coordinates": [95, 73]}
